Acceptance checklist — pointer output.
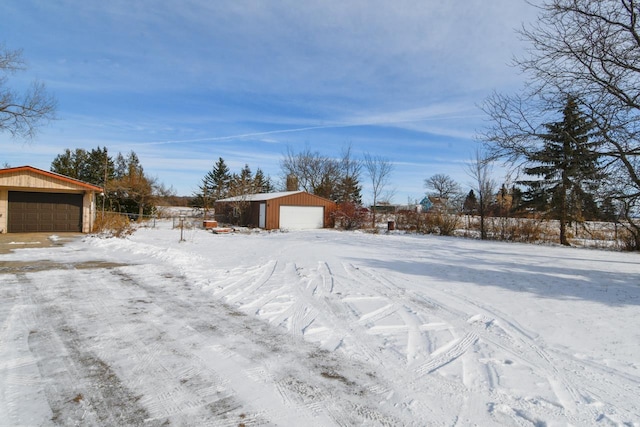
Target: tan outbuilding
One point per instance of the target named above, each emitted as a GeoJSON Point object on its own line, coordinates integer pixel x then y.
{"type": "Point", "coordinates": [34, 200]}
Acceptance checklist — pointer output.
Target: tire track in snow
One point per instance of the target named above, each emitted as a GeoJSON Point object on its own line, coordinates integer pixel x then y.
{"type": "Point", "coordinates": [187, 387]}
{"type": "Point", "coordinates": [309, 296]}
{"type": "Point", "coordinates": [447, 354]}
{"type": "Point", "coordinates": [266, 272]}
{"type": "Point", "coordinates": [322, 282]}
{"type": "Point", "coordinates": [459, 325]}
{"type": "Point", "coordinates": [421, 318]}
{"type": "Point", "coordinates": [257, 303]}
{"type": "Point", "coordinates": [384, 288]}
{"type": "Point", "coordinates": [521, 345]}
{"type": "Point", "coordinates": [234, 287]}
{"type": "Point", "coordinates": [80, 387]}
{"type": "Point", "coordinates": [393, 305]}
{"type": "Point", "coordinates": [414, 327]}
{"type": "Point", "coordinates": [342, 323]}
{"type": "Point", "coordinates": [605, 383]}
{"type": "Point", "coordinates": [294, 403]}
{"type": "Point", "coordinates": [19, 376]}
{"type": "Point", "coordinates": [416, 322]}
{"type": "Point", "coordinates": [374, 316]}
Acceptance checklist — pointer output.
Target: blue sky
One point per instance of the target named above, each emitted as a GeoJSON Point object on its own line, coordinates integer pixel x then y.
{"type": "Point", "coordinates": [183, 82]}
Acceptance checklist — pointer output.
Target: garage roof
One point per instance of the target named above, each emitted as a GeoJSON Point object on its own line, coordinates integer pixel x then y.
{"type": "Point", "coordinates": [48, 174]}
{"type": "Point", "coordinates": [259, 197]}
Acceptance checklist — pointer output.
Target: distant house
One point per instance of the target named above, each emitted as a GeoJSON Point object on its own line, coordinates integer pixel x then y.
{"type": "Point", "coordinates": [292, 210]}
{"type": "Point", "coordinates": [34, 200]}
{"type": "Point", "coordinates": [426, 204]}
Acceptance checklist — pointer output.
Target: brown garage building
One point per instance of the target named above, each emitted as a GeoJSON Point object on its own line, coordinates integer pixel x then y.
{"type": "Point", "coordinates": [34, 200]}
{"type": "Point", "coordinates": [291, 210]}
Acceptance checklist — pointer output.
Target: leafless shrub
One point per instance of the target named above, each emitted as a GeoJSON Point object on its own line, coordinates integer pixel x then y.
{"type": "Point", "coordinates": [524, 230]}
{"type": "Point", "coordinates": [413, 221]}
{"type": "Point", "coordinates": [111, 224]}
{"type": "Point", "coordinates": [350, 216]}
{"type": "Point", "coordinates": [628, 240]}
{"type": "Point", "coordinates": [443, 223]}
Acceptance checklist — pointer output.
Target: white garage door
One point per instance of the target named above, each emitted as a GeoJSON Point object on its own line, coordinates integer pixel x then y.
{"type": "Point", "coordinates": [301, 217]}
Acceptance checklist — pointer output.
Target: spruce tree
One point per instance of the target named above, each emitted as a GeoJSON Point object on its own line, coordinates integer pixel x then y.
{"type": "Point", "coordinates": [348, 190]}
{"type": "Point", "coordinates": [262, 183]}
{"type": "Point", "coordinates": [470, 205]}
{"type": "Point", "coordinates": [217, 181]}
{"type": "Point", "coordinates": [100, 167]}
{"type": "Point", "coordinates": [243, 183]}
{"type": "Point", "coordinates": [215, 185]}
{"type": "Point", "coordinates": [566, 167]}
{"type": "Point", "coordinates": [72, 164]}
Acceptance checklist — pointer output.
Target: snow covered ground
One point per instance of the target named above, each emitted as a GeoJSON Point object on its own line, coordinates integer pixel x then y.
{"type": "Point", "coordinates": [317, 328]}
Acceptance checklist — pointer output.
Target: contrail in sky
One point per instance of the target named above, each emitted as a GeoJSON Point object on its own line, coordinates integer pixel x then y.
{"type": "Point", "coordinates": [302, 129]}
{"type": "Point", "coordinates": [248, 135]}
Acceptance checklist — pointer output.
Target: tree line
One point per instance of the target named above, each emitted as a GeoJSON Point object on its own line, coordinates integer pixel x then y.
{"type": "Point", "coordinates": [127, 188]}
{"type": "Point", "coordinates": [219, 183]}
{"type": "Point", "coordinates": [334, 178]}
{"type": "Point", "coordinates": [582, 60]}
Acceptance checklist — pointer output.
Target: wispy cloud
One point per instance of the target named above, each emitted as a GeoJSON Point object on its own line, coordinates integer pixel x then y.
{"type": "Point", "coordinates": [182, 82]}
{"type": "Point", "coordinates": [255, 135]}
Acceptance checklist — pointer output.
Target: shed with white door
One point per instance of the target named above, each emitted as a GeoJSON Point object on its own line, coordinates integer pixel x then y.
{"type": "Point", "coordinates": [290, 210]}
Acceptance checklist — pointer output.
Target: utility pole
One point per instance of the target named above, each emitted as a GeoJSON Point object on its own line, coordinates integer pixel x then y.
{"type": "Point", "coordinates": [104, 188]}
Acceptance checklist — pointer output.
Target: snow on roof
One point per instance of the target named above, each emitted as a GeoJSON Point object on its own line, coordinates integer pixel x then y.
{"type": "Point", "coordinates": [259, 197]}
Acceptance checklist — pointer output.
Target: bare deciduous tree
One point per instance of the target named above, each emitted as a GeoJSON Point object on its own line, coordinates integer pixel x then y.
{"type": "Point", "coordinates": [22, 115]}
{"type": "Point", "coordinates": [379, 171]}
{"type": "Point", "coordinates": [442, 186]}
{"type": "Point", "coordinates": [479, 169]}
{"type": "Point", "coordinates": [331, 178]}
{"type": "Point", "coordinates": [316, 173]}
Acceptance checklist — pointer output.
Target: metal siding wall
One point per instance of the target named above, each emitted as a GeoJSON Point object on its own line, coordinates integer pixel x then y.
{"type": "Point", "coordinates": [300, 199]}
{"type": "Point", "coordinates": [255, 214]}
{"type": "Point", "coordinates": [273, 214]}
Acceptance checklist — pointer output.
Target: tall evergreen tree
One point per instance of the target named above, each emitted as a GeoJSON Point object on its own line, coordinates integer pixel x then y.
{"type": "Point", "coordinates": [72, 164]}
{"type": "Point", "coordinates": [566, 167]}
{"type": "Point", "coordinates": [348, 190]}
{"type": "Point", "coordinates": [100, 167]}
{"type": "Point", "coordinates": [127, 187]}
{"type": "Point", "coordinates": [119, 166]}
{"type": "Point", "coordinates": [470, 205]}
{"type": "Point", "coordinates": [262, 183]}
{"type": "Point", "coordinates": [243, 183]}
{"type": "Point", "coordinates": [100, 171]}
{"type": "Point", "coordinates": [217, 180]}
{"type": "Point", "coordinates": [214, 185]}
{"type": "Point", "coordinates": [94, 167]}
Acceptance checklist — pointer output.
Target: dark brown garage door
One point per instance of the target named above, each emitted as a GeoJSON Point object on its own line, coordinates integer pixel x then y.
{"type": "Point", "coordinates": [32, 212]}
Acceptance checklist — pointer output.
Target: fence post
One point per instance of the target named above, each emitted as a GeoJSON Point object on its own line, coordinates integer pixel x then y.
{"type": "Point", "coordinates": [182, 218]}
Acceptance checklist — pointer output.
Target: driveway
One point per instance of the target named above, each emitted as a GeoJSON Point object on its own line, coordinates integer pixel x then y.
{"type": "Point", "coordinates": [11, 241]}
